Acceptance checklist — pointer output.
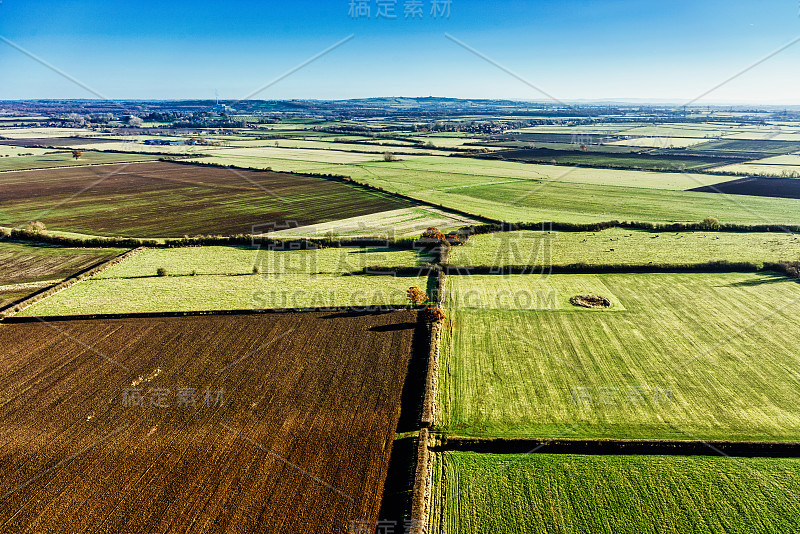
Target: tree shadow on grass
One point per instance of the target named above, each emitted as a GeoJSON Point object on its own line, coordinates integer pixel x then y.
{"type": "Point", "coordinates": [761, 279]}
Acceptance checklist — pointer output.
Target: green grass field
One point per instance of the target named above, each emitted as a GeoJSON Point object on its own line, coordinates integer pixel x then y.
{"type": "Point", "coordinates": [516, 494]}
{"type": "Point", "coordinates": [378, 146]}
{"type": "Point", "coordinates": [236, 261]}
{"type": "Point", "coordinates": [691, 356]}
{"type": "Point", "coordinates": [301, 154]}
{"type": "Point", "coordinates": [581, 203]}
{"type": "Point", "coordinates": [622, 246]}
{"type": "Point", "coordinates": [414, 175]}
{"type": "Point", "coordinates": [224, 279]}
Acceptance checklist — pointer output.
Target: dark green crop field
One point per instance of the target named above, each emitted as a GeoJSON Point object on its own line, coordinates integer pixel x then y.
{"type": "Point", "coordinates": [171, 200]}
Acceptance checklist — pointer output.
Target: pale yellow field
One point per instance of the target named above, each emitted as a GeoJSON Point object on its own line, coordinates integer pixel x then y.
{"type": "Point", "coordinates": [375, 148]}
{"type": "Point", "coordinates": [300, 154]}
{"type": "Point", "coordinates": [33, 133]}
{"type": "Point", "coordinates": [786, 159]}
{"type": "Point", "coordinates": [139, 147]}
{"type": "Point", "coordinates": [676, 131]}
{"type": "Point", "coordinates": [448, 142]}
{"type": "Point", "coordinates": [585, 128]}
{"type": "Point", "coordinates": [14, 151]}
{"type": "Point", "coordinates": [661, 142]}
{"type": "Point", "coordinates": [788, 171]}
{"type": "Point", "coordinates": [395, 223]}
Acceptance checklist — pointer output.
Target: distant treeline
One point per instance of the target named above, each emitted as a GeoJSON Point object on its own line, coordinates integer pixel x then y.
{"type": "Point", "coordinates": [585, 268]}
{"type": "Point", "coordinates": [197, 241]}
{"type": "Point", "coordinates": [631, 225]}
{"type": "Point", "coordinates": [411, 243]}
{"type": "Point", "coordinates": [791, 269]}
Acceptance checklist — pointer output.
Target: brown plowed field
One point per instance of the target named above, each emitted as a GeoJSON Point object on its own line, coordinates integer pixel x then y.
{"type": "Point", "coordinates": [300, 444]}
{"type": "Point", "coordinates": [163, 199]}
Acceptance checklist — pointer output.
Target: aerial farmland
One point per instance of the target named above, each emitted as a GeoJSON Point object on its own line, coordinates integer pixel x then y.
{"type": "Point", "coordinates": [560, 298]}
{"type": "Point", "coordinates": [364, 332]}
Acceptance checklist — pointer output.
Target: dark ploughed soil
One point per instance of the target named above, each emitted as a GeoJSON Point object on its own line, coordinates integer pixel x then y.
{"type": "Point", "coordinates": [758, 187]}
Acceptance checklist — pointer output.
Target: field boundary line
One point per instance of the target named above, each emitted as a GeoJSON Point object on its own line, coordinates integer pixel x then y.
{"type": "Point", "coordinates": [432, 380]}
{"type": "Point", "coordinates": [652, 227]}
{"type": "Point", "coordinates": [423, 476]}
{"type": "Point", "coordinates": [356, 310]}
{"type": "Point", "coordinates": [64, 284]}
{"type": "Point", "coordinates": [620, 268]}
{"type": "Point", "coordinates": [420, 496]}
{"type": "Point", "coordinates": [608, 446]}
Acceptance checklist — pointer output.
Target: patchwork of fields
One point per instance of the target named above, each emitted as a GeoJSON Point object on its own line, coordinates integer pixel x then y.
{"type": "Point", "coordinates": [304, 437]}
{"type": "Point", "coordinates": [521, 192]}
{"type": "Point", "coordinates": [277, 422]}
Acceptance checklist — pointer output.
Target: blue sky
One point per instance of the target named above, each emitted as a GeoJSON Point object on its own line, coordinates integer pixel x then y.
{"type": "Point", "coordinates": [617, 49]}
